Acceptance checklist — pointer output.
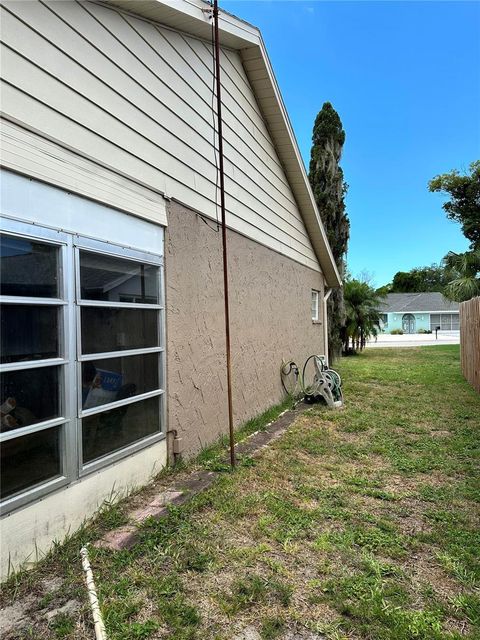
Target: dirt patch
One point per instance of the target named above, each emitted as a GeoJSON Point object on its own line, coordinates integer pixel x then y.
{"type": "Point", "coordinates": [423, 570]}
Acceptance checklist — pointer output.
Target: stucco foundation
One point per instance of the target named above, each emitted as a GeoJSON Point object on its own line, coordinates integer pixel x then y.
{"type": "Point", "coordinates": [270, 298]}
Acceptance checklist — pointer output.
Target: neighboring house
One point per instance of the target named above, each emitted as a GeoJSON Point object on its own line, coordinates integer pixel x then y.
{"type": "Point", "coordinates": [417, 312]}
{"type": "Point", "coordinates": [113, 312]}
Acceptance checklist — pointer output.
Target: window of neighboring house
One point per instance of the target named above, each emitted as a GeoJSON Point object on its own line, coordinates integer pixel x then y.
{"type": "Point", "coordinates": [82, 358]}
{"type": "Point", "coordinates": [315, 299]}
{"type": "Point", "coordinates": [384, 319]}
{"type": "Point", "coordinates": [446, 321]}
{"type": "Point", "coordinates": [434, 321]}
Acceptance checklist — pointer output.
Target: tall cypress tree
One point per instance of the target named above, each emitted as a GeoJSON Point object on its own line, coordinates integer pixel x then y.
{"type": "Point", "coordinates": [329, 189]}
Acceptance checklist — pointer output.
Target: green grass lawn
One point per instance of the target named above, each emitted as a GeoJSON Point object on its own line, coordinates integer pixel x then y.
{"type": "Point", "coordinates": [361, 523]}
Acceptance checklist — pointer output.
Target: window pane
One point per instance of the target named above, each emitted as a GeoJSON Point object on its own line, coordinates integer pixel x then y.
{"type": "Point", "coordinates": [29, 460]}
{"type": "Point", "coordinates": [108, 329]}
{"type": "Point", "coordinates": [116, 279]}
{"type": "Point", "coordinates": [28, 333]}
{"type": "Point", "coordinates": [111, 430]}
{"type": "Point", "coordinates": [314, 305]}
{"type": "Point", "coordinates": [28, 268]}
{"type": "Point", "coordinates": [29, 396]}
{"type": "Point", "coordinates": [118, 378]}
{"type": "Point", "coordinates": [446, 323]}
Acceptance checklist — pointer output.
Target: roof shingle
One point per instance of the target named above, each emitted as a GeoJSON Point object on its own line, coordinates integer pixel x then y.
{"type": "Point", "coordinates": [420, 302]}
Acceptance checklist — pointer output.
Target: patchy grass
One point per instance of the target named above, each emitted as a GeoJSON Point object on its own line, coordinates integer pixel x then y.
{"type": "Point", "coordinates": [360, 524]}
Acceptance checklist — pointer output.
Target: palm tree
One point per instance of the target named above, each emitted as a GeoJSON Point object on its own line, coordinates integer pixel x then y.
{"type": "Point", "coordinates": [464, 269]}
{"type": "Point", "coordinates": [362, 307]}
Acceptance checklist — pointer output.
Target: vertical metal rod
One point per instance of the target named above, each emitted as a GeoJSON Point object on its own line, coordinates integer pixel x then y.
{"type": "Point", "coordinates": [224, 234]}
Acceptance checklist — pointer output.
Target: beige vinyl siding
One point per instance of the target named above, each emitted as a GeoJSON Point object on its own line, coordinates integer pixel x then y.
{"type": "Point", "coordinates": [28, 153]}
{"type": "Point", "coordinates": [136, 98]}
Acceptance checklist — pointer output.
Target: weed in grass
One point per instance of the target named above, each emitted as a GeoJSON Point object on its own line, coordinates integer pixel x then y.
{"type": "Point", "coordinates": [212, 454]}
{"type": "Point", "coordinates": [244, 593]}
{"type": "Point", "coordinates": [191, 557]}
{"type": "Point", "coordinates": [253, 590]}
{"type": "Point", "coordinates": [324, 542]}
{"type": "Point", "coordinates": [378, 608]}
{"type": "Point", "coordinates": [63, 625]}
{"type": "Point", "coordinates": [467, 605]}
{"type": "Point", "coordinates": [46, 600]}
{"type": "Point", "coordinates": [379, 568]}
{"type": "Point", "coordinates": [271, 628]}
{"type": "Point", "coordinates": [249, 555]}
{"type": "Point", "coordinates": [455, 567]}
{"type": "Point", "coordinates": [138, 630]}
{"type": "Point", "coordinates": [281, 591]}
{"type": "Point", "coordinates": [380, 494]}
{"type": "Point", "coordinates": [118, 612]}
{"type": "Point", "coordinates": [165, 587]}
{"type": "Point", "coordinates": [181, 617]}
{"type": "Point", "coordinates": [369, 538]}
{"type": "Point", "coordinates": [291, 521]}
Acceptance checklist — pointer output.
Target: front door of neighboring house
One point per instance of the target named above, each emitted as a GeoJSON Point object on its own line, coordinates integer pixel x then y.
{"type": "Point", "coordinates": [408, 323]}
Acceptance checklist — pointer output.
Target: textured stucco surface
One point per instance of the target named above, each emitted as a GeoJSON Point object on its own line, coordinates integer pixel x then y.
{"type": "Point", "coordinates": [270, 298]}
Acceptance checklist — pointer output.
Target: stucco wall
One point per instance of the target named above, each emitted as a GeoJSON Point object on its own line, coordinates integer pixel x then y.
{"type": "Point", "coordinates": [270, 306]}
{"type": "Point", "coordinates": [395, 321]}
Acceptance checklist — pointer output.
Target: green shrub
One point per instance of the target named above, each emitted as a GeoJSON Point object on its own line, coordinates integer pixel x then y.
{"type": "Point", "coordinates": [424, 331]}
{"type": "Point", "coordinates": [397, 332]}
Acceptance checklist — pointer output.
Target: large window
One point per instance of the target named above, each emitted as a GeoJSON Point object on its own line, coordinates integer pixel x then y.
{"type": "Point", "coordinates": [120, 352]}
{"type": "Point", "coordinates": [445, 321]}
{"type": "Point", "coordinates": [82, 357]}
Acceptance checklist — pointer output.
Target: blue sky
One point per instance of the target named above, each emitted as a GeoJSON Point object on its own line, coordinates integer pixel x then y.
{"type": "Point", "coordinates": [405, 79]}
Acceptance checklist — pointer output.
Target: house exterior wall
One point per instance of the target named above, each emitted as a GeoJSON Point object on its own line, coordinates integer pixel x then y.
{"type": "Point", "coordinates": [395, 321]}
{"type": "Point", "coordinates": [423, 320]}
{"type": "Point", "coordinates": [270, 307]}
{"type": "Point", "coordinates": [135, 98]}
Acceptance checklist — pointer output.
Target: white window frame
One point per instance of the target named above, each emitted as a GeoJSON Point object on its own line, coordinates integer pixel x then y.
{"type": "Point", "coordinates": [70, 357]}
{"type": "Point", "coordinates": [314, 308]}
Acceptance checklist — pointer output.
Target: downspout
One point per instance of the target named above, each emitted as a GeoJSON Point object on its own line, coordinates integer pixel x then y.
{"type": "Point", "coordinates": [326, 296]}
{"type": "Point", "coordinates": [224, 234]}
